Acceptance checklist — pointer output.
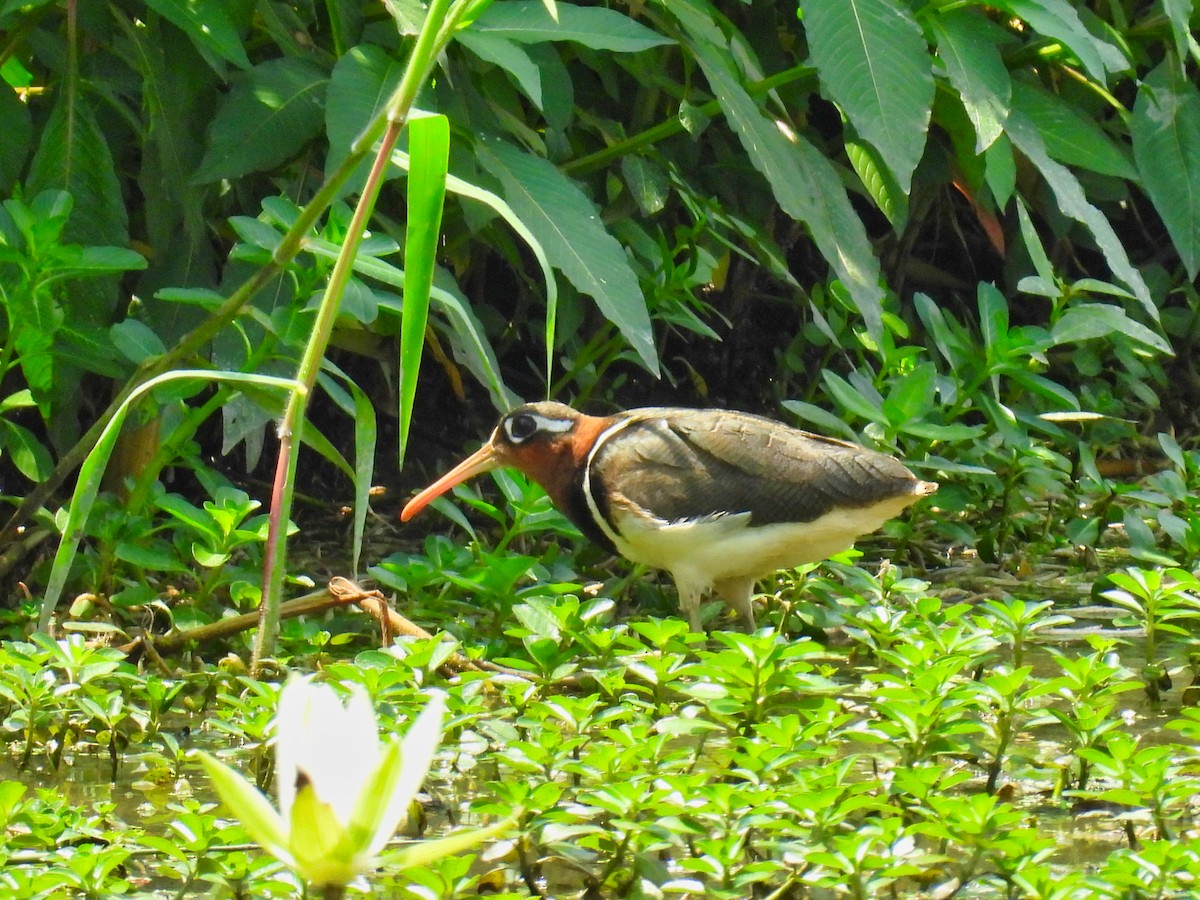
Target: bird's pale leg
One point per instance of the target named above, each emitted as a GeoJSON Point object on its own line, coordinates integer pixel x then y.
{"type": "Point", "coordinates": [736, 592]}
{"type": "Point", "coordinates": [690, 594]}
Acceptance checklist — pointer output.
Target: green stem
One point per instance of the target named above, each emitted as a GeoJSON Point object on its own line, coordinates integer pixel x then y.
{"type": "Point", "coordinates": [674, 126]}
{"type": "Point", "coordinates": [439, 26]}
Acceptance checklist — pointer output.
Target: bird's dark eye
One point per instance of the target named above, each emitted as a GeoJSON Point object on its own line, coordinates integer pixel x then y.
{"type": "Point", "coordinates": [521, 427]}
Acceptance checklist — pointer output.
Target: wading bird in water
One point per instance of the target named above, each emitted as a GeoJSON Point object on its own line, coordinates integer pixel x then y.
{"type": "Point", "coordinates": [717, 498]}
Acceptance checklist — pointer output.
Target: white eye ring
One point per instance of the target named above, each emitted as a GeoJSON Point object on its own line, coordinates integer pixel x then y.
{"type": "Point", "coordinates": [519, 427]}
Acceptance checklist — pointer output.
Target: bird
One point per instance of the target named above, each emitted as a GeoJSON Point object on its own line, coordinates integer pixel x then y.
{"type": "Point", "coordinates": [717, 498]}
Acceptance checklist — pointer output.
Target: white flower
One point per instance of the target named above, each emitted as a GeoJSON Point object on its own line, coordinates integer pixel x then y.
{"type": "Point", "coordinates": [342, 794]}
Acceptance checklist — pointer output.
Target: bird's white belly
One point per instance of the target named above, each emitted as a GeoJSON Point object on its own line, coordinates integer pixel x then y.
{"type": "Point", "coordinates": [721, 547]}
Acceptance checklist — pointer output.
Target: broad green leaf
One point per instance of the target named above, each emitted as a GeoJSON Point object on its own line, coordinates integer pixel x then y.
{"type": "Point", "coordinates": [136, 341]}
{"type": "Point", "coordinates": [429, 150]}
{"type": "Point", "coordinates": [509, 56]}
{"type": "Point", "coordinates": [1166, 145]}
{"type": "Point", "coordinates": [912, 397]}
{"type": "Point", "coordinates": [845, 395]}
{"type": "Point", "coordinates": [825, 421]}
{"type": "Point", "coordinates": [1100, 320]}
{"type": "Point", "coordinates": [151, 558]}
{"type": "Point", "coordinates": [873, 62]}
{"type": "Point", "coordinates": [1058, 19]}
{"type": "Point", "coordinates": [27, 453]}
{"type": "Point", "coordinates": [647, 182]}
{"type": "Point", "coordinates": [1069, 136]}
{"type": "Point", "coordinates": [270, 114]}
{"type": "Point", "coordinates": [993, 317]}
{"type": "Point", "coordinates": [1179, 12]}
{"type": "Point", "coordinates": [878, 179]}
{"type": "Point", "coordinates": [805, 183]}
{"type": "Point", "coordinates": [103, 260]}
{"type": "Point", "coordinates": [1000, 170]}
{"type": "Point", "coordinates": [1074, 203]}
{"type": "Point", "coordinates": [955, 432]}
{"type": "Point", "coordinates": [18, 134]}
{"type": "Point", "coordinates": [207, 24]}
{"type": "Point", "coordinates": [74, 156]}
{"type": "Point", "coordinates": [529, 22]}
{"type": "Point", "coordinates": [967, 44]}
{"type": "Point", "coordinates": [566, 224]}
{"type": "Point", "coordinates": [177, 90]}
{"type": "Point", "coordinates": [359, 88]}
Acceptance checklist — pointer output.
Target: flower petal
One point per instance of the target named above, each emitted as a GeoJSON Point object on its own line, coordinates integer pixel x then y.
{"type": "Point", "coordinates": [252, 809]}
{"type": "Point", "coordinates": [403, 778]}
{"type": "Point", "coordinates": [319, 741]}
{"type": "Point", "coordinates": [290, 716]}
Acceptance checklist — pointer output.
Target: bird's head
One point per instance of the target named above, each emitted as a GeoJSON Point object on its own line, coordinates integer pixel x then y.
{"type": "Point", "coordinates": [547, 441]}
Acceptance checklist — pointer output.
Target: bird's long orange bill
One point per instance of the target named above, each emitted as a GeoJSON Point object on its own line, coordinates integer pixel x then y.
{"type": "Point", "coordinates": [482, 460]}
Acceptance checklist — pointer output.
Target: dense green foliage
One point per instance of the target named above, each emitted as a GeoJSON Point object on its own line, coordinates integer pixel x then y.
{"type": "Point", "coordinates": [967, 233]}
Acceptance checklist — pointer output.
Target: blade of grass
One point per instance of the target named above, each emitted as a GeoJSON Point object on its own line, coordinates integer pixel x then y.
{"type": "Point", "coordinates": [429, 146]}
{"type": "Point", "coordinates": [92, 471]}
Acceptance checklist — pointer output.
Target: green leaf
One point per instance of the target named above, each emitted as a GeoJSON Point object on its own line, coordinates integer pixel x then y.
{"type": "Point", "coordinates": [1068, 192]}
{"type": "Point", "coordinates": [878, 179]}
{"type": "Point", "coordinates": [647, 182]}
{"type": "Point", "coordinates": [845, 395]}
{"type": "Point", "coordinates": [1166, 146]}
{"type": "Point", "coordinates": [1000, 170]}
{"type": "Point", "coordinates": [366, 434]}
{"type": "Point", "coordinates": [207, 24]}
{"type": "Point", "coordinates": [423, 853]}
{"type": "Point", "coordinates": [87, 484]}
{"type": "Point", "coordinates": [149, 558]}
{"type": "Point", "coordinates": [268, 117]}
{"type": "Point", "coordinates": [1058, 19]}
{"type": "Point", "coordinates": [967, 45]}
{"type": "Point", "coordinates": [1069, 136]}
{"type": "Point", "coordinates": [509, 56]}
{"type": "Point", "coordinates": [136, 341]}
{"type": "Point", "coordinates": [825, 421]}
{"type": "Point", "coordinates": [874, 64]}
{"type": "Point", "coordinates": [26, 452]}
{"type": "Point", "coordinates": [803, 180]}
{"type": "Point", "coordinates": [529, 22]}
{"type": "Point", "coordinates": [18, 135]}
{"type": "Point", "coordinates": [429, 151]}
{"type": "Point", "coordinates": [315, 439]}
{"type": "Point", "coordinates": [1180, 13]}
{"type": "Point", "coordinates": [1099, 320]}
{"type": "Point", "coordinates": [913, 397]}
{"type": "Point", "coordinates": [74, 156]}
{"type": "Point", "coordinates": [566, 224]}
{"type": "Point", "coordinates": [359, 88]}
{"type": "Point", "coordinates": [93, 261]}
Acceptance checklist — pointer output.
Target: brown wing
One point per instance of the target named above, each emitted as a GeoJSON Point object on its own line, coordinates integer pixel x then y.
{"type": "Point", "coordinates": [683, 464]}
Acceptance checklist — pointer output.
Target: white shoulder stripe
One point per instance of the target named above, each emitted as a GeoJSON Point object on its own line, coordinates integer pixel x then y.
{"type": "Point", "coordinates": [601, 522]}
